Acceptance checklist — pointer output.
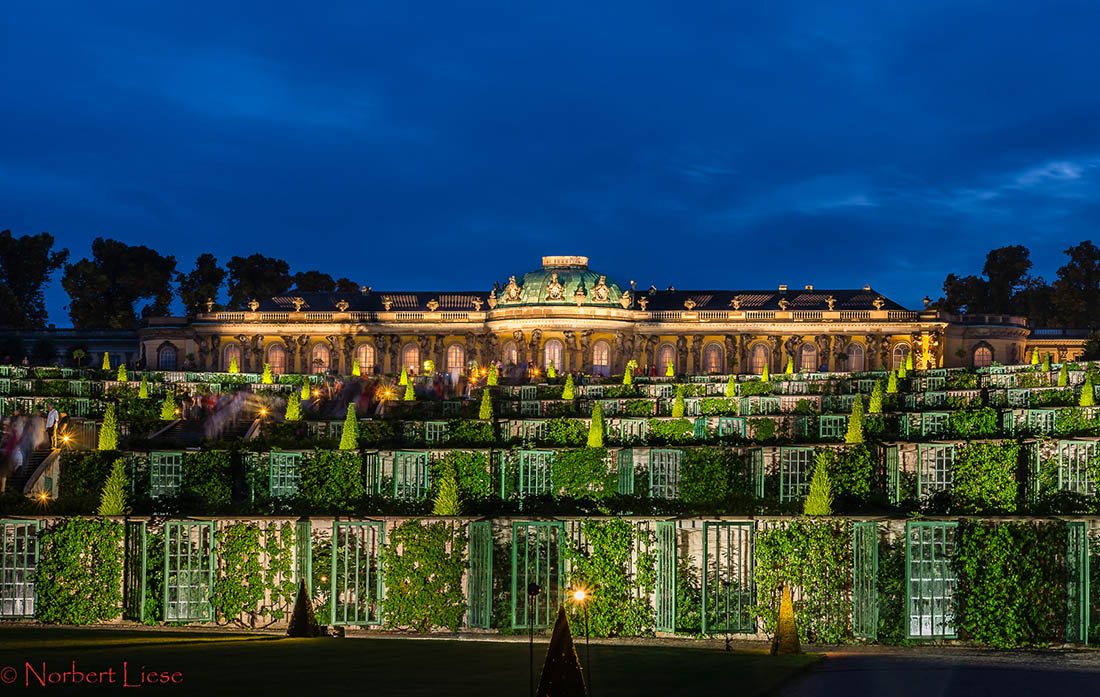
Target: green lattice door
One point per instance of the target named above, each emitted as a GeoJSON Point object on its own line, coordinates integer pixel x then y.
{"type": "Point", "coordinates": [134, 571]}
{"type": "Point", "coordinates": [891, 465]}
{"type": "Point", "coordinates": [480, 575]}
{"type": "Point", "coordinates": [410, 475]}
{"type": "Point", "coordinates": [665, 596]}
{"type": "Point", "coordinates": [664, 473]}
{"type": "Point", "coordinates": [1077, 583]}
{"type": "Point", "coordinates": [355, 582]}
{"type": "Point", "coordinates": [930, 579]}
{"type": "Point", "coordinates": [535, 473]}
{"type": "Point", "coordinates": [536, 558]}
{"type": "Point", "coordinates": [188, 571]}
{"type": "Point", "coordinates": [303, 555]}
{"type": "Point", "coordinates": [795, 469]}
{"type": "Point", "coordinates": [864, 580]}
{"type": "Point", "coordinates": [1074, 459]}
{"type": "Point", "coordinates": [18, 561]}
{"type": "Point", "coordinates": [165, 474]}
{"type": "Point", "coordinates": [284, 473]}
{"type": "Point", "coordinates": [728, 578]}
{"type": "Point", "coordinates": [624, 467]}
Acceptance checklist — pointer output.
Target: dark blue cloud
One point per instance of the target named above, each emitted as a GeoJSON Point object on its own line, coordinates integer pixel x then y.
{"type": "Point", "coordinates": [451, 144]}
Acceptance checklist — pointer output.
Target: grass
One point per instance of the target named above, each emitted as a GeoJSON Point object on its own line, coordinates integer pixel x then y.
{"type": "Point", "coordinates": [247, 664]}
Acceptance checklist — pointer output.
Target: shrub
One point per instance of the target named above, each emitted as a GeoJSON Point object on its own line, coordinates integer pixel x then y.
{"type": "Point", "coordinates": [471, 474]}
{"type": "Point", "coordinates": [410, 395]}
{"type": "Point", "coordinates": [168, 407]}
{"type": "Point", "coordinates": [233, 367]}
{"type": "Point", "coordinates": [1034, 356]}
{"type": "Point", "coordinates": [112, 500]}
{"type": "Point", "coordinates": [305, 393]}
{"type": "Point", "coordinates": [671, 430]}
{"type": "Point", "coordinates": [789, 370]}
{"type": "Point", "coordinates": [731, 388]}
{"type": "Point", "coordinates": [678, 403]}
{"type": "Point", "coordinates": [595, 428]}
{"type": "Point", "coordinates": [855, 422]}
{"type": "Point", "coordinates": [908, 361]}
{"type": "Point", "coordinates": [819, 500]}
{"type": "Point", "coordinates": [707, 475]}
{"type": "Point", "coordinates": [355, 369]}
{"type": "Point", "coordinates": [569, 390]}
{"type": "Point", "coordinates": [985, 477]}
{"type": "Point", "coordinates": [82, 478]}
{"type": "Point", "coordinates": [765, 376]}
{"type": "Point", "coordinates": [486, 411]}
{"type": "Point", "coordinates": [875, 405]}
{"type": "Point", "coordinates": [851, 470]}
{"type": "Point", "coordinates": [493, 378]}
{"type": "Point", "coordinates": [670, 370]}
{"type": "Point", "coordinates": [551, 371]}
{"type": "Point", "coordinates": [207, 481]}
{"type": "Point", "coordinates": [267, 378]}
{"type": "Point", "coordinates": [1063, 375]}
{"type": "Point", "coordinates": [108, 431]}
{"type": "Point", "coordinates": [293, 408]}
{"type": "Point", "coordinates": [447, 501]}
{"type": "Point", "coordinates": [1046, 362]}
{"type": "Point", "coordinates": [106, 361]}
{"type": "Point", "coordinates": [1088, 394]}
{"type": "Point", "coordinates": [331, 480]}
{"type": "Point", "coordinates": [122, 376]}
{"type": "Point", "coordinates": [78, 579]}
{"type": "Point", "coordinates": [425, 564]}
{"type": "Point", "coordinates": [143, 389]}
{"type": "Point", "coordinates": [583, 474]}
{"type": "Point", "coordinates": [892, 383]}
{"type": "Point", "coordinates": [973, 423]}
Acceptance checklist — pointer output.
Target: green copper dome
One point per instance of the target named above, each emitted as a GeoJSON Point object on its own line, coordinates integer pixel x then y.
{"type": "Point", "coordinates": [557, 282]}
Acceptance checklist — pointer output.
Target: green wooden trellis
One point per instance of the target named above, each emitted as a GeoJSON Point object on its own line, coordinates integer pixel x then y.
{"type": "Point", "coordinates": [664, 473]}
{"type": "Point", "coordinates": [728, 578]}
{"type": "Point", "coordinates": [832, 426]}
{"type": "Point", "coordinates": [18, 562]}
{"type": "Point", "coordinates": [731, 426]}
{"type": "Point", "coordinates": [699, 428]}
{"type": "Point", "coordinates": [795, 469]}
{"type": "Point", "coordinates": [189, 566]}
{"type": "Point", "coordinates": [632, 430]}
{"type": "Point", "coordinates": [165, 473]}
{"type": "Point", "coordinates": [930, 579]}
{"type": "Point", "coordinates": [756, 471]}
{"type": "Point", "coordinates": [933, 423]}
{"type": "Point", "coordinates": [537, 558]}
{"type": "Point", "coordinates": [533, 430]}
{"type": "Point", "coordinates": [1041, 420]}
{"type": "Point", "coordinates": [303, 554]}
{"type": "Point", "coordinates": [284, 473]}
{"type": "Point", "coordinates": [480, 575]}
{"type": "Point", "coordinates": [136, 558]}
{"type": "Point", "coordinates": [411, 476]}
{"type": "Point", "coordinates": [665, 595]}
{"type": "Point", "coordinates": [624, 467]}
{"type": "Point", "coordinates": [865, 580]}
{"type": "Point", "coordinates": [372, 472]}
{"type": "Point", "coordinates": [535, 472]}
{"type": "Point", "coordinates": [1077, 583]}
{"type": "Point", "coordinates": [1074, 458]}
{"type": "Point", "coordinates": [937, 466]}
{"type": "Point", "coordinates": [435, 431]}
{"type": "Point", "coordinates": [355, 583]}
{"type": "Point", "coordinates": [891, 466]}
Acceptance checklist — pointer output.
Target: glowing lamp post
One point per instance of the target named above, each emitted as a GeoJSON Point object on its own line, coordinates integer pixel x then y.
{"type": "Point", "coordinates": [533, 591]}
{"type": "Point", "coordinates": [580, 596]}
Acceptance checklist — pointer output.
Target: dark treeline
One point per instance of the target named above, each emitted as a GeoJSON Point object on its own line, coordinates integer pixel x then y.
{"type": "Point", "coordinates": [121, 283]}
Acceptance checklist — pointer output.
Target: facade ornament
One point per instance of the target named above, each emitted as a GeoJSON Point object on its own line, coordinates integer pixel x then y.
{"type": "Point", "coordinates": [512, 290]}
{"type": "Point", "coordinates": [653, 290]}
{"type": "Point", "coordinates": [342, 305]}
{"type": "Point", "coordinates": [387, 302]}
{"type": "Point", "coordinates": [784, 304]}
{"type": "Point", "coordinates": [580, 295]}
{"type": "Point", "coordinates": [253, 304]}
{"type": "Point", "coordinates": [433, 305]}
{"type": "Point", "coordinates": [364, 289]}
{"type": "Point", "coordinates": [554, 288]}
{"type": "Point", "coordinates": [625, 300]}
{"type": "Point", "coordinates": [689, 304]}
{"type": "Point", "coordinates": [477, 304]}
{"type": "Point", "coordinates": [601, 292]}
{"type": "Point", "coordinates": [298, 302]}
{"type": "Point", "coordinates": [878, 302]}
{"type": "Point", "coordinates": [209, 304]}
{"type": "Point", "coordinates": [642, 302]}
{"type": "Point", "coordinates": [830, 302]}
{"type": "Point", "coordinates": [492, 299]}
{"type": "Point", "coordinates": [736, 302]}
{"type": "Point", "coordinates": [927, 301]}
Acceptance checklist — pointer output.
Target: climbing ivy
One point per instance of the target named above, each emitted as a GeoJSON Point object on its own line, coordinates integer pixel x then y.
{"type": "Point", "coordinates": [583, 474]}
{"type": "Point", "coordinates": [973, 423]}
{"type": "Point", "coordinates": [711, 476]}
{"type": "Point", "coordinates": [471, 473]}
{"type": "Point", "coordinates": [331, 480]}
{"type": "Point", "coordinates": [424, 564]}
{"type": "Point", "coordinates": [619, 584]}
{"type": "Point", "coordinates": [206, 484]}
{"type": "Point", "coordinates": [79, 575]}
{"type": "Point", "coordinates": [246, 587]}
{"type": "Point", "coordinates": [985, 477]}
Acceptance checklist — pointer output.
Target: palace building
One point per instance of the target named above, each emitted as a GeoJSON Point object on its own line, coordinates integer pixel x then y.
{"type": "Point", "coordinates": [583, 320]}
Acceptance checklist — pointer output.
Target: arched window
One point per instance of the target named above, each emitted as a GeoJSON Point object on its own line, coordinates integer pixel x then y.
{"type": "Point", "coordinates": [759, 357]}
{"type": "Point", "coordinates": [319, 359]}
{"type": "Point", "coordinates": [713, 359]}
{"type": "Point", "coordinates": [601, 358]}
{"type": "Point", "coordinates": [456, 357]}
{"type": "Point", "coordinates": [983, 356]}
{"type": "Point", "coordinates": [552, 351]}
{"type": "Point", "coordinates": [856, 358]}
{"type": "Point", "coordinates": [665, 355]}
{"type": "Point", "coordinates": [365, 354]}
{"type": "Point", "coordinates": [901, 350]}
{"type": "Point", "coordinates": [230, 352]}
{"type": "Point", "coordinates": [807, 358]}
{"type": "Point", "coordinates": [410, 358]}
{"type": "Point", "coordinates": [509, 354]}
{"type": "Point", "coordinates": [276, 358]}
{"type": "Point", "coordinates": [166, 358]}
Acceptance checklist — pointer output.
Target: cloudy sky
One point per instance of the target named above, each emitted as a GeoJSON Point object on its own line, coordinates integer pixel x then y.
{"type": "Point", "coordinates": [447, 145]}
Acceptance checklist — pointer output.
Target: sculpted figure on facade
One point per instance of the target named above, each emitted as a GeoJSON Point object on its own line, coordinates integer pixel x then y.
{"type": "Point", "coordinates": [512, 290]}
{"type": "Point", "coordinates": [554, 288]}
{"type": "Point", "coordinates": [303, 353]}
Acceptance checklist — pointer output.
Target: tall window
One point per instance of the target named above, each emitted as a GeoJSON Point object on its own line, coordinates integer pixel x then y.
{"type": "Point", "coordinates": [758, 358]}
{"type": "Point", "coordinates": [553, 350]}
{"type": "Point", "coordinates": [230, 352]}
{"type": "Point", "coordinates": [456, 357]}
{"type": "Point", "coordinates": [166, 358]}
{"type": "Point", "coordinates": [856, 358]}
{"type": "Point", "coordinates": [365, 354]}
{"type": "Point", "coordinates": [601, 358]}
{"type": "Point", "coordinates": [410, 358]}
{"type": "Point", "coordinates": [900, 352]}
{"type": "Point", "coordinates": [713, 359]}
{"type": "Point", "coordinates": [320, 359]}
{"type": "Point", "coordinates": [509, 354]}
{"type": "Point", "coordinates": [983, 356]}
{"type": "Point", "coordinates": [665, 355]}
{"type": "Point", "coordinates": [807, 358]}
{"type": "Point", "coordinates": [276, 358]}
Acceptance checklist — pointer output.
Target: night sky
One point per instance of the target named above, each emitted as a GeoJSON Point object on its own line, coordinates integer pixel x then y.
{"type": "Point", "coordinates": [447, 145]}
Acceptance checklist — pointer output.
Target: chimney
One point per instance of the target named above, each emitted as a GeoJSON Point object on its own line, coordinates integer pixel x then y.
{"type": "Point", "coordinates": [783, 288]}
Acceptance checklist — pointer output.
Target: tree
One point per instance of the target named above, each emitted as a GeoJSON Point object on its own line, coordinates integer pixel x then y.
{"type": "Point", "coordinates": [1007, 270]}
{"type": "Point", "coordinates": [106, 365]}
{"type": "Point", "coordinates": [404, 379]}
{"type": "Point", "coordinates": [1088, 394]}
{"type": "Point", "coordinates": [670, 370]}
{"type": "Point", "coordinates": [765, 376]}
{"type": "Point", "coordinates": [267, 378]}
{"type": "Point", "coordinates": [355, 370]}
{"type": "Point", "coordinates": [789, 370]}
{"type": "Point", "coordinates": [447, 500]}
{"type": "Point", "coordinates": [112, 498]}
{"type": "Point", "coordinates": [678, 403]}
{"type": "Point", "coordinates": [122, 376]}
{"type": "Point", "coordinates": [168, 407]}
{"type": "Point", "coordinates": [293, 407]}
{"type": "Point", "coordinates": [486, 411]}
{"type": "Point", "coordinates": [551, 371]}
{"type": "Point", "coordinates": [349, 439]}
{"type": "Point", "coordinates": [346, 285]}
{"type": "Point", "coordinates": [855, 422]}
{"type": "Point", "coordinates": [493, 377]}
{"type": "Point", "coordinates": [1034, 356]}
{"type": "Point", "coordinates": [410, 395]}
{"type": "Point", "coordinates": [569, 391]}
{"type": "Point", "coordinates": [875, 405]}
{"type": "Point", "coordinates": [26, 264]}
{"type": "Point", "coordinates": [143, 389]}
{"type": "Point", "coordinates": [103, 290]}
{"type": "Point", "coordinates": [595, 428]}
{"type": "Point", "coordinates": [256, 276]}
{"type": "Point", "coordinates": [314, 282]}
{"type": "Point", "coordinates": [305, 393]}
{"type": "Point", "coordinates": [79, 355]}
{"type": "Point", "coordinates": [1046, 362]}
{"type": "Point", "coordinates": [892, 383]}
{"type": "Point", "coordinates": [1076, 292]}
{"type": "Point", "coordinates": [233, 367]}
{"type": "Point", "coordinates": [1063, 375]}
{"type": "Point", "coordinates": [819, 500]}
{"type": "Point", "coordinates": [731, 388]}
{"type": "Point", "coordinates": [202, 283]}
{"type": "Point", "coordinates": [108, 431]}
{"type": "Point", "coordinates": [628, 374]}
{"type": "Point", "coordinates": [908, 361]}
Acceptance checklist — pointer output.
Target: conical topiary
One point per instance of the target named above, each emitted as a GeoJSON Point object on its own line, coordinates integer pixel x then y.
{"type": "Point", "coordinates": [786, 633]}
{"type": "Point", "coordinates": [268, 378]}
{"type": "Point", "coordinates": [595, 429]}
{"type": "Point", "coordinates": [486, 410]}
{"type": "Point", "coordinates": [568, 392]}
{"type": "Point", "coordinates": [108, 431]}
{"type": "Point", "coordinates": [355, 370]}
{"type": "Point", "coordinates": [303, 623]}
{"type": "Point", "coordinates": [766, 375]}
{"type": "Point", "coordinates": [908, 361]}
{"type": "Point", "coordinates": [112, 499]}
{"type": "Point", "coordinates": [1046, 362]}
{"type": "Point", "coordinates": [561, 672]}
{"type": "Point", "coordinates": [447, 500]}
{"type": "Point", "coordinates": [628, 374]}
{"type": "Point", "coordinates": [789, 370]}
{"type": "Point", "coordinates": [678, 403]}
{"type": "Point", "coordinates": [122, 376]}
{"type": "Point", "coordinates": [1063, 375]}
{"type": "Point", "coordinates": [875, 405]}
{"type": "Point", "coordinates": [1034, 356]}
{"type": "Point", "coordinates": [902, 372]}
{"type": "Point", "coordinates": [551, 371]}
{"type": "Point", "coordinates": [410, 394]}
{"type": "Point", "coordinates": [143, 389]}
{"type": "Point", "coordinates": [855, 422]}
{"type": "Point", "coordinates": [349, 439]}
{"type": "Point", "coordinates": [819, 500]}
{"type": "Point", "coordinates": [233, 367]}
{"type": "Point", "coordinates": [670, 370]}
{"type": "Point", "coordinates": [404, 379]}
{"type": "Point", "coordinates": [892, 383]}
{"type": "Point", "coordinates": [106, 361]}
{"type": "Point", "coordinates": [1088, 394]}
{"type": "Point", "coordinates": [293, 407]}
{"type": "Point", "coordinates": [168, 407]}
{"type": "Point", "coordinates": [305, 393]}
{"type": "Point", "coordinates": [492, 378]}
{"type": "Point", "coordinates": [731, 388]}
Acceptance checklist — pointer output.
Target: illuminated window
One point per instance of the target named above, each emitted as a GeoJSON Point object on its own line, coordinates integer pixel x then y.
{"type": "Point", "coordinates": [276, 358]}
{"type": "Point", "coordinates": [900, 352]}
{"type": "Point", "coordinates": [456, 357]}
{"type": "Point", "coordinates": [230, 352]}
{"type": "Point", "coordinates": [665, 355]}
{"type": "Point", "coordinates": [320, 359]}
{"type": "Point", "coordinates": [807, 358]}
{"type": "Point", "coordinates": [553, 350]}
{"type": "Point", "coordinates": [410, 358]}
{"type": "Point", "coordinates": [983, 356]}
{"type": "Point", "coordinates": [856, 358]}
{"type": "Point", "coordinates": [758, 358]}
{"type": "Point", "coordinates": [166, 358]}
{"type": "Point", "coordinates": [713, 361]}
{"type": "Point", "coordinates": [601, 358]}
{"type": "Point", "coordinates": [365, 354]}
{"type": "Point", "coordinates": [509, 354]}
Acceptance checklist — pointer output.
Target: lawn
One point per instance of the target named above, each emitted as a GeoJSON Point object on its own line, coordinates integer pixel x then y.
{"type": "Point", "coordinates": [243, 664]}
